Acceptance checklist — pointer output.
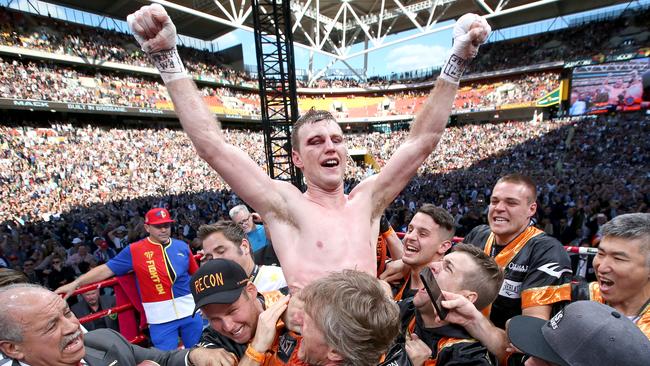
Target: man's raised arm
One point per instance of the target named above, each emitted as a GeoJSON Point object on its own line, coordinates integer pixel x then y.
{"type": "Point", "coordinates": [156, 33]}
{"type": "Point", "coordinates": [469, 32]}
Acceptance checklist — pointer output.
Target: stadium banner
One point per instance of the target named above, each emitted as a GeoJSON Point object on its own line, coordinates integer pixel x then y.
{"type": "Point", "coordinates": [610, 87]}
{"type": "Point", "coordinates": [42, 105]}
{"type": "Point", "coordinates": [550, 99]}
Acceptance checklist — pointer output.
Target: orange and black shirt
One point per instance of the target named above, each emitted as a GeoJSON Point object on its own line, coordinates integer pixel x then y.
{"type": "Point", "coordinates": [383, 254]}
{"type": "Point", "coordinates": [535, 266]}
{"type": "Point", "coordinates": [450, 344]}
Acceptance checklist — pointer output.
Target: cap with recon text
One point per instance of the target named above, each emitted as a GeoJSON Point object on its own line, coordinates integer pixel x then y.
{"type": "Point", "coordinates": [218, 281]}
{"type": "Point", "coordinates": [157, 216]}
{"type": "Point", "coordinates": [584, 333]}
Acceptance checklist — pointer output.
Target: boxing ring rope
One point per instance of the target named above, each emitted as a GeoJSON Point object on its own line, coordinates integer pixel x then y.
{"type": "Point", "coordinates": [120, 308]}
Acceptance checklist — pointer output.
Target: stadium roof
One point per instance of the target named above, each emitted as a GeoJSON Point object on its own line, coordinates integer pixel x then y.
{"type": "Point", "coordinates": [342, 23]}
{"type": "Point", "coordinates": [330, 27]}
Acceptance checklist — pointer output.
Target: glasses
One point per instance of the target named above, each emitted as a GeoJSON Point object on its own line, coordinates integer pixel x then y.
{"type": "Point", "coordinates": [244, 221]}
{"type": "Point", "coordinates": [56, 262]}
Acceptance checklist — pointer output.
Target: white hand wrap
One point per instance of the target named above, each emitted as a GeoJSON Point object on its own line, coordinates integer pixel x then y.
{"type": "Point", "coordinates": [463, 51]}
{"type": "Point", "coordinates": [169, 64]}
{"type": "Point", "coordinates": [161, 47]}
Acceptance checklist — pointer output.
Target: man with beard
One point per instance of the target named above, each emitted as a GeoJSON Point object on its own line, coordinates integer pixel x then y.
{"type": "Point", "coordinates": [535, 264]}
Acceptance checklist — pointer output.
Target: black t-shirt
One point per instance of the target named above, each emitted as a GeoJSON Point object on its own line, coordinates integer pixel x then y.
{"type": "Point", "coordinates": [541, 263]}
{"type": "Point", "coordinates": [460, 350]}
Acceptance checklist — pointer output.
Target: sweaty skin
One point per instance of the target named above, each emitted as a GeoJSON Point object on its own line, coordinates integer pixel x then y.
{"type": "Point", "coordinates": [322, 230]}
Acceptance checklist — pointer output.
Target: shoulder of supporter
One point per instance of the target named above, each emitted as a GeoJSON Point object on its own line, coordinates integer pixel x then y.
{"type": "Point", "coordinates": [464, 352]}
{"type": "Point", "coordinates": [547, 248]}
{"type": "Point", "coordinates": [549, 263]}
{"type": "Point", "coordinates": [477, 236]}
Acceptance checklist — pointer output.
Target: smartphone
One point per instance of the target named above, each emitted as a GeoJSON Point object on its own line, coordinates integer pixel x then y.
{"type": "Point", "coordinates": [431, 285]}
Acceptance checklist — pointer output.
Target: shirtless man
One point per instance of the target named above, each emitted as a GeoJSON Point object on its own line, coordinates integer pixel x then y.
{"type": "Point", "coordinates": [321, 230]}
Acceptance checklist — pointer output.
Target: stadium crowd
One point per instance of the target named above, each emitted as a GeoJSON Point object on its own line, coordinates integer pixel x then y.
{"type": "Point", "coordinates": [56, 36]}
{"type": "Point", "coordinates": [81, 202]}
{"type": "Point", "coordinates": [51, 82]}
{"type": "Point", "coordinates": [84, 200]}
{"type": "Point", "coordinates": [68, 182]}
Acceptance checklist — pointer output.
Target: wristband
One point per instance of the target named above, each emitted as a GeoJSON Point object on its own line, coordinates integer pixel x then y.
{"type": "Point", "coordinates": [386, 234]}
{"type": "Point", "coordinates": [254, 355]}
{"type": "Point", "coordinates": [453, 68]}
{"type": "Point", "coordinates": [169, 64]}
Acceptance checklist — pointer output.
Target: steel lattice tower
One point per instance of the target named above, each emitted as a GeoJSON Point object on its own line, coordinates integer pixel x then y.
{"type": "Point", "coordinates": [277, 85]}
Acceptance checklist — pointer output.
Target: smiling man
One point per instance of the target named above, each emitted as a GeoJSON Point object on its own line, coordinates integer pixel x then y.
{"type": "Point", "coordinates": [226, 239]}
{"type": "Point", "coordinates": [321, 230]}
{"type": "Point", "coordinates": [427, 239]}
{"type": "Point", "coordinates": [534, 263]}
{"type": "Point", "coordinates": [37, 328]}
{"type": "Point", "coordinates": [233, 306]}
{"type": "Point", "coordinates": [623, 269]}
{"type": "Point", "coordinates": [162, 267]}
{"type": "Point", "coordinates": [466, 272]}
{"type": "Point", "coordinates": [623, 273]}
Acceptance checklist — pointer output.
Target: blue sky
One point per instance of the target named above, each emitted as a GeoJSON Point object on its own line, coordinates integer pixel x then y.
{"type": "Point", "coordinates": [420, 53]}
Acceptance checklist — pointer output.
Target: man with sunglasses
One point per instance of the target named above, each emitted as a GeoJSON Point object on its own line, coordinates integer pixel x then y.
{"type": "Point", "coordinates": [162, 267]}
{"type": "Point", "coordinates": [429, 340]}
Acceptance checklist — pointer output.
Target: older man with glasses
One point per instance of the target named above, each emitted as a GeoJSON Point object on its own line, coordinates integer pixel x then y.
{"type": "Point", "coordinates": [163, 267]}
{"type": "Point", "coordinates": [254, 232]}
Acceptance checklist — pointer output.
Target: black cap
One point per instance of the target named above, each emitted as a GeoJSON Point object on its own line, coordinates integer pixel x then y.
{"type": "Point", "coordinates": [218, 281]}
{"type": "Point", "coordinates": [584, 333]}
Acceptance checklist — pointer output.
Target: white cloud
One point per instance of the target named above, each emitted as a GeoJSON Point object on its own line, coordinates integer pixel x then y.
{"type": "Point", "coordinates": [414, 57]}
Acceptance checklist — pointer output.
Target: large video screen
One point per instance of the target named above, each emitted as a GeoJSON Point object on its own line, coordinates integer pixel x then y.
{"type": "Point", "coordinates": [616, 86]}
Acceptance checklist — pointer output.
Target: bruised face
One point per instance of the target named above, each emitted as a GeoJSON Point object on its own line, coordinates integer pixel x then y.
{"type": "Point", "coordinates": [238, 320]}
{"type": "Point", "coordinates": [621, 269]}
{"type": "Point", "coordinates": [511, 207]}
{"type": "Point", "coordinates": [51, 332]}
{"type": "Point", "coordinates": [322, 154]}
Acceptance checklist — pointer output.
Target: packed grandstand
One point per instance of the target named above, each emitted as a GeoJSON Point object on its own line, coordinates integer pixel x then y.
{"type": "Point", "coordinates": [87, 149]}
